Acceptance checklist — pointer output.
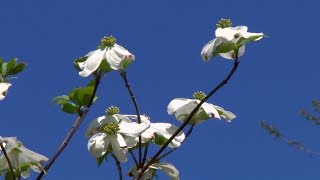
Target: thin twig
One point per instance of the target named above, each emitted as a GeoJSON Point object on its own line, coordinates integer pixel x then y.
{"type": "Point", "coordinates": [124, 77]}
{"type": "Point", "coordinates": [118, 166]}
{"type": "Point", "coordinates": [73, 129]}
{"type": "Point", "coordinates": [185, 123]}
{"type": "Point", "coordinates": [8, 160]}
{"type": "Point", "coordinates": [145, 154]}
{"type": "Point", "coordinates": [133, 157]}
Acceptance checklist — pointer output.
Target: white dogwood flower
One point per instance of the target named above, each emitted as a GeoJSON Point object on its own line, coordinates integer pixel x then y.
{"type": "Point", "coordinates": [226, 34]}
{"type": "Point", "coordinates": [182, 108]}
{"type": "Point", "coordinates": [116, 56]}
{"type": "Point", "coordinates": [109, 132]}
{"type": "Point", "coordinates": [21, 158]}
{"type": "Point", "coordinates": [165, 130]}
{"type": "Point", "coordinates": [167, 168]}
{"type": "Point", "coordinates": [4, 87]}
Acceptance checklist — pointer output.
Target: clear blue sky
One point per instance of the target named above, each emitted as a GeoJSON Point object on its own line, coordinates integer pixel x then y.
{"type": "Point", "coordinates": [276, 78]}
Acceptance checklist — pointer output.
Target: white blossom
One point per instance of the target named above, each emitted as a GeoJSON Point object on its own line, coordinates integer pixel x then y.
{"type": "Point", "coordinates": [182, 108]}
{"type": "Point", "coordinates": [21, 158]}
{"type": "Point", "coordinates": [116, 56]}
{"type": "Point", "coordinates": [228, 34]}
{"type": "Point", "coordinates": [108, 133]}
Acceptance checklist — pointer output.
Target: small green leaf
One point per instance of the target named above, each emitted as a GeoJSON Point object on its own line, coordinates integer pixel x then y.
{"type": "Point", "coordinates": [159, 140]}
{"type": "Point", "coordinates": [4, 68]}
{"type": "Point", "coordinates": [10, 65]}
{"type": "Point", "coordinates": [243, 40]}
{"type": "Point", "coordinates": [224, 47]}
{"type": "Point", "coordinates": [17, 68]}
{"type": "Point", "coordinates": [104, 66]}
{"type": "Point", "coordinates": [73, 94]}
{"type": "Point", "coordinates": [61, 97]}
{"type": "Point", "coordinates": [69, 108]}
{"type": "Point", "coordinates": [83, 96]}
{"type": "Point", "coordinates": [126, 63]}
{"type": "Point", "coordinates": [8, 175]}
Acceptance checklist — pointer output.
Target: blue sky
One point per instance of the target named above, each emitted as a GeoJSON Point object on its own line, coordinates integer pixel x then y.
{"type": "Point", "coordinates": [276, 78]}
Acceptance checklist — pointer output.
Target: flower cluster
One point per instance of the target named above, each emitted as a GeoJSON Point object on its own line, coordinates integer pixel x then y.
{"type": "Point", "coordinates": [117, 133]}
{"type": "Point", "coordinates": [21, 158]}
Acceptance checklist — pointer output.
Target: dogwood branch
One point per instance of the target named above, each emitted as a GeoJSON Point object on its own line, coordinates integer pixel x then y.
{"type": "Point", "coordinates": [8, 160]}
{"type": "Point", "coordinates": [185, 123]}
{"type": "Point", "coordinates": [73, 129]}
{"type": "Point", "coordinates": [124, 77]}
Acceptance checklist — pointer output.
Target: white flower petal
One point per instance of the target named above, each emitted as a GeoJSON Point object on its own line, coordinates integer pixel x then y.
{"type": "Point", "coordinates": [228, 115]}
{"type": "Point", "coordinates": [4, 87]}
{"type": "Point", "coordinates": [167, 130]}
{"type": "Point", "coordinates": [176, 104]}
{"type": "Point", "coordinates": [131, 141]}
{"type": "Point", "coordinates": [167, 168]}
{"type": "Point", "coordinates": [208, 50]}
{"type": "Point", "coordinates": [240, 28]}
{"type": "Point", "coordinates": [210, 110]}
{"type": "Point", "coordinates": [225, 34]}
{"type": "Point", "coordinates": [119, 148]}
{"type": "Point", "coordinates": [133, 129]}
{"type": "Point", "coordinates": [116, 56]}
{"type": "Point", "coordinates": [92, 63]}
{"type": "Point", "coordinates": [98, 144]}
{"type": "Point", "coordinates": [248, 35]}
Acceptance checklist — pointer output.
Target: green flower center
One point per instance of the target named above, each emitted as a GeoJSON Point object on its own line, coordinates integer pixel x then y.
{"type": "Point", "coordinates": [199, 95]}
{"type": "Point", "coordinates": [107, 42]}
{"type": "Point", "coordinates": [112, 110]}
{"type": "Point", "coordinates": [224, 23]}
{"type": "Point", "coordinates": [111, 128]}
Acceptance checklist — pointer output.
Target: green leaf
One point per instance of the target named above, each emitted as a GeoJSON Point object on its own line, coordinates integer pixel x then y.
{"type": "Point", "coordinates": [83, 96]}
{"type": "Point", "coordinates": [4, 68]}
{"type": "Point", "coordinates": [104, 66]}
{"type": "Point", "coordinates": [73, 94]}
{"type": "Point", "coordinates": [69, 108]}
{"type": "Point", "coordinates": [224, 47]}
{"type": "Point", "coordinates": [159, 140]}
{"type": "Point", "coordinates": [10, 65]}
{"type": "Point", "coordinates": [126, 63]}
{"type": "Point", "coordinates": [8, 175]}
{"type": "Point", "coordinates": [65, 97]}
{"type": "Point", "coordinates": [243, 40]}
{"type": "Point", "coordinates": [17, 68]}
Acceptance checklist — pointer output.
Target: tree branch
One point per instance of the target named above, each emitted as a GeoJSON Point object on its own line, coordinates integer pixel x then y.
{"type": "Point", "coordinates": [8, 160]}
{"type": "Point", "coordinates": [124, 77]}
{"type": "Point", "coordinates": [73, 129]}
{"type": "Point", "coordinates": [185, 123]}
